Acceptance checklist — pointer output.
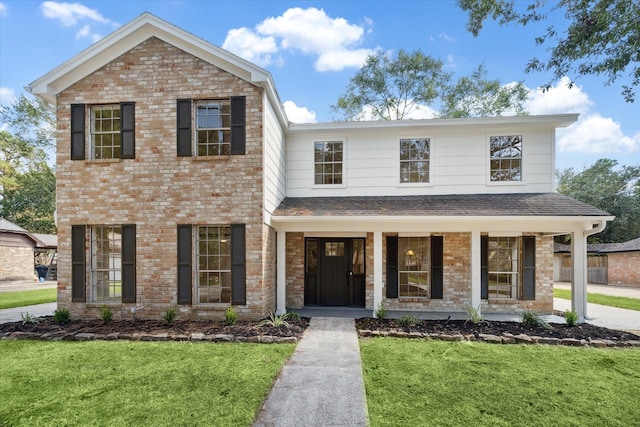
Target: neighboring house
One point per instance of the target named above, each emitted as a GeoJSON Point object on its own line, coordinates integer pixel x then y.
{"type": "Point", "coordinates": [17, 250]}
{"type": "Point", "coordinates": [596, 263]}
{"type": "Point", "coordinates": [181, 182]}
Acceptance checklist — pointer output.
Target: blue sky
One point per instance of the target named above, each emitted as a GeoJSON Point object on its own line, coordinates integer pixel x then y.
{"type": "Point", "coordinates": [312, 48]}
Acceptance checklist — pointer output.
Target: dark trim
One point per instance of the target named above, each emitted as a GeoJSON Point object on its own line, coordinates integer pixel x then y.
{"type": "Point", "coordinates": [185, 271]}
{"type": "Point", "coordinates": [529, 268]}
{"type": "Point", "coordinates": [128, 130]}
{"type": "Point", "coordinates": [437, 267]}
{"type": "Point", "coordinates": [183, 127]}
{"type": "Point", "coordinates": [238, 265]}
{"type": "Point", "coordinates": [78, 263]}
{"type": "Point", "coordinates": [392, 266]}
{"type": "Point", "coordinates": [78, 121]}
{"type": "Point", "coordinates": [129, 263]}
{"type": "Point", "coordinates": [238, 125]}
{"type": "Point", "coordinates": [484, 267]}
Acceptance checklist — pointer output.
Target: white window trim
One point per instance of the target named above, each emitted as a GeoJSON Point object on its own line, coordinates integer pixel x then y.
{"type": "Point", "coordinates": [344, 163]}
{"type": "Point", "coordinates": [488, 158]}
{"type": "Point", "coordinates": [196, 267]}
{"type": "Point", "coordinates": [397, 149]}
{"type": "Point", "coordinates": [428, 271]}
{"type": "Point", "coordinates": [194, 127]}
{"type": "Point", "coordinates": [90, 133]}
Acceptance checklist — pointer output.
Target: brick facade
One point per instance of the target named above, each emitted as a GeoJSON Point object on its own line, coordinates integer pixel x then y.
{"type": "Point", "coordinates": [624, 268]}
{"type": "Point", "coordinates": [16, 258]}
{"type": "Point", "coordinates": [158, 190]}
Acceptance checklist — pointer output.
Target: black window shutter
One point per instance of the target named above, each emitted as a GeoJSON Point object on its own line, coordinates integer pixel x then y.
{"type": "Point", "coordinates": [185, 273]}
{"type": "Point", "coordinates": [183, 124]}
{"type": "Point", "coordinates": [529, 267]}
{"type": "Point", "coordinates": [129, 263]}
{"type": "Point", "coordinates": [128, 130]}
{"type": "Point", "coordinates": [392, 266]}
{"type": "Point", "coordinates": [437, 266]}
{"type": "Point", "coordinates": [238, 265]}
{"type": "Point", "coordinates": [78, 263]}
{"type": "Point", "coordinates": [484, 267]}
{"type": "Point", "coordinates": [77, 131]}
{"type": "Point", "coordinates": [238, 124]}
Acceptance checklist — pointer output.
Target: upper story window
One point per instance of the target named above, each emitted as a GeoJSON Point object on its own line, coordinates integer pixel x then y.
{"type": "Point", "coordinates": [213, 128]}
{"type": "Point", "coordinates": [505, 157]}
{"type": "Point", "coordinates": [111, 131]}
{"type": "Point", "coordinates": [105, 131]}
{"type": "Point", "coordinates": [414, 160]}
{"type": "Point", "coordinates": [328, 158]}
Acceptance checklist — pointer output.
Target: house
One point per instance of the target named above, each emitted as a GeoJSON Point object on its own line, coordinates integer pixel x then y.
{"type": "Point", "coordinates": [18, 248]}
{"type": "Point", "coordinates": [180, 181]}
{"type": "Point", "coordinates": [596, 263]}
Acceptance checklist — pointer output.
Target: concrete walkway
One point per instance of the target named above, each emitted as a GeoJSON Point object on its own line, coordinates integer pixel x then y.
{"type": "Point", "coordinates": [322, 383]}
{"type": "Point", "coordinates": [608, 317]}
{"type": "Point", "coordinates": [39, 310]}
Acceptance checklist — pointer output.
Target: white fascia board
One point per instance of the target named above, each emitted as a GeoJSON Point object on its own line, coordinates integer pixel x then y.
{"type": "Point", "coordinates": [555, 120]}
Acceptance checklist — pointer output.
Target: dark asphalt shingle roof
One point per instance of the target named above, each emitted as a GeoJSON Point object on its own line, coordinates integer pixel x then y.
{"type": "Point", "coordinates": [630, 246]}
{"type": "Point", "coordinates": [523, 204]}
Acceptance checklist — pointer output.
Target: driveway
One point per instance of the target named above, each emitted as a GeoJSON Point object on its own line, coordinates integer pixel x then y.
{"type": "Point", "coordinates": [15, 314]}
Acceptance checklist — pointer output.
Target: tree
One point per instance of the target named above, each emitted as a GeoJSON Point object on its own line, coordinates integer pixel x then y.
{"type": "Point", "coordinates": [612, 189]}
{"type": "Point", "coordinates": [477, 96]}
{"type": "Point", "coordinates": [391, 87]}
{"type": "Point", "coordinates": [27, 183]}
{"type": "Point", "coordinates": [603, 37]}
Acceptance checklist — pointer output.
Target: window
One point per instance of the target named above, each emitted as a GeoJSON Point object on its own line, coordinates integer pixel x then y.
{"type": "Point", "coordinates": [413, 266]}
{"type": "Point", "coordinates": [213, 128]}
{"type": "Point", "coordinates": [106, 263]}
{"type": "Point", "coordinates": [213, 256]}
{"type": "Point", "coordinates": [505, 158]}
{"type": "Point", "coordinates": [111, 131]}
{"type": "Point", "coordinates": [105, 132]}
{"type": "Point", "coordinates": [334, 249]}
{"type": "Point", "coordinates": [328, 162]}
{"type": "Point", "coordinates": [414, 160]}
{"type": "Point", "coordinates": [503, 267]}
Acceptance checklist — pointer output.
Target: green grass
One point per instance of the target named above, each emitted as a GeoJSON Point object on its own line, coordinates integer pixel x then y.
{"type": "Point", "coordinates": [612, 301]}
{"type": "Point", "coordinates": [127, 383]}
{"type": "Point", "coordinates": [436, 383]}
{"type": "Point", "coordinates": [23, 298]}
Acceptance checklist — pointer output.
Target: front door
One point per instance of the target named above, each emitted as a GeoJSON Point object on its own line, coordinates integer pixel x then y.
{"type": "Point", "coordinates": [334, 272]}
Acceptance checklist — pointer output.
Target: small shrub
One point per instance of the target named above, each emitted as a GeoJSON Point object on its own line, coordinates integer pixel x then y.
{"type": "Point", "coordinates": [61, 316]}
{"type": "Point", "coordinates": [408, 320]}
{"type": "Point", "coordinates": [534, 320]}
{"type": "Point", "coordinates": [28, 318]}
{"type": "Point", "coordinates": [106, 314]}
{"type": "Point", "coordinates": [474, 315]}
{"type": "Point", "coordinates": [170, 315]}
{"type": "Point", "coordinates": [571, 317]}
{"type": "Point", "coordinates": [276, 321]}
{"type": "Point", "coordinates": [230, 316]}
{"type": "Point", "coordinates": [292, 315]}
{"type": "Point", "coordinates": [380, 312]}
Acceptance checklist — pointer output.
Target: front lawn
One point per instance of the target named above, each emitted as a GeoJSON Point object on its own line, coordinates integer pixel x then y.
{"type": "Point", "coordinates": [125, 383]}
{"type": "Point", "coordinates": [23, 298]}
{"type": "Point", "coordinates": [612, 301]}
{"type": "Point", "coordinates": [437, 383]}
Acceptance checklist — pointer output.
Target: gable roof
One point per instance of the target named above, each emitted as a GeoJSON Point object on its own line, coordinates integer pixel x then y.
{"type": "Point", "coordinates": [464, 205]}
{"type": "Point", "coordinates": [630, 246]}
{"type": "Point", "coordinates": [9, 227]}
{"type": "Point", "coordinates": [135, 32]}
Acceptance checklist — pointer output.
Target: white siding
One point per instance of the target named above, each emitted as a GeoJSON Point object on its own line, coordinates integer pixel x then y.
{"type": "Point", "coordinates": [274, 161]}
{"type": "Point", "coordinates": [459, 161]}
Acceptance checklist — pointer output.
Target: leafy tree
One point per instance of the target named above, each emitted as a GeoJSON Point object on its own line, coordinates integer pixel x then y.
{"type": "Point", "coordinates": [27, 183]}
{"type": "Point", "coordinates": [603, 36]}
{"type": "Point", "coordinates": [477, 96]}
{"type": "Point", "coordinates": [613, 189]}
{"type": "Point", "coordinates": [391, 87]}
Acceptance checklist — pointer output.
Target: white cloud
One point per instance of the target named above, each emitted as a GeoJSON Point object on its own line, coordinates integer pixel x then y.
{"type": "Point", "coordinates": [3, 9]}
{"type": "Point", "coordinates": [69, 14]}
{"type": "Point", "coordinates": [86, 32]}
{"type": "Point", "coordinates": [251, 46]}
{"type": "Point", "coordinates": [7, 95]}
{"type": "Point", "coordinates": [592, 133]}
{"type": "Point", "coordinates": [299, 114]}
{"type": "Point", "coordinates": [311, 31]}
{"type": "Point", "coordinates": [446, 37]}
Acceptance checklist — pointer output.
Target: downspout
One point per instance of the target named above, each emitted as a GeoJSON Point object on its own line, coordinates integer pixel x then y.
{"type": "Point", "coordinates": [597, 229]}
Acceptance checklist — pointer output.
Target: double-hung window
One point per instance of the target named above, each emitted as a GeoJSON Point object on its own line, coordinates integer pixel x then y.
{"type": "Point", "coordinates": [505, 158]}
{"type": "Point", "coordinates": [111, 131]}
{"type": "Point", "coordinates": [414, 160]}
{"type": "Point", "coordinates": [106, 263]}
{"type": "Point", "coordinates": [413, 266]}
{"type": "Point", "coordinates": [508, 267]}
{"type": "Point", "coordinates": [328, 158]}
{"type": "Point", "coordinates": [213, 257]}
{"type": "Point", "coordinates": [213, 128]}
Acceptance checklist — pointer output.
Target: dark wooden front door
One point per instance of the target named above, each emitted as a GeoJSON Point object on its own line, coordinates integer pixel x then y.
{"type": "Point", "coordinates": [334, 273]}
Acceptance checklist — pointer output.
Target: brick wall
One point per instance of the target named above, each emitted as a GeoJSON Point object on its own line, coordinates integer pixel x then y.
{"type": "Point", "coordinates": [624, 268]}
{"type": "Point", "coordinates": [295, 270]}
{"type": "Point", "coordinates": [16, 262]}
{"type": "Point", "coordinates": [158, 190]}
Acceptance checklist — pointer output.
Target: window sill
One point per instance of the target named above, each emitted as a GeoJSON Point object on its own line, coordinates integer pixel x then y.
{"type": "Point", "coordinates": [509, 183]}
{"type": "Point", "coordinates": [327, 186]}
{"type": "Point", "coordinates": [413, 299]}
{"type": "Point", "coordinates": [414, 184]}
{"type": "Point", "coordinates": [210, 158]}
{"type": "Point", "coordinates": [502, 300]}
{"type": "Point", "coordinates": [104, 161]}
